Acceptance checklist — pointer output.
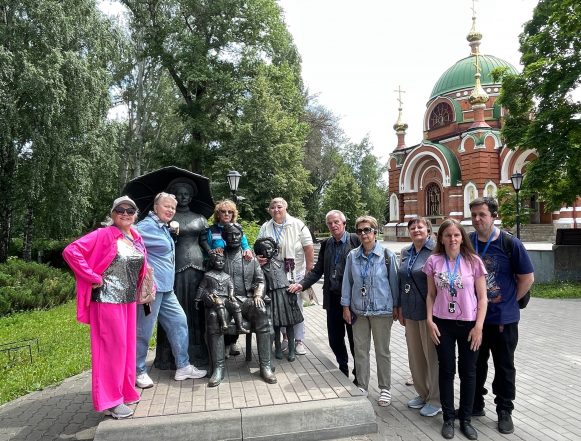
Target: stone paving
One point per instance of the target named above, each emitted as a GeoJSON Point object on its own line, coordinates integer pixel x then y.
{"type": "Point", "coordinates": [548, 385]}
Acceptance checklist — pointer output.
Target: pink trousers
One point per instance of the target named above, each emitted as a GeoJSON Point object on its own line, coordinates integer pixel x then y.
{"type": "Point", "coordinates": [113, 339]}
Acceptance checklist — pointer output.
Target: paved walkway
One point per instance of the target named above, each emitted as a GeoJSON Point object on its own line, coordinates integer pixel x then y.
{"type": "Point", "coordinates": [547, 405]}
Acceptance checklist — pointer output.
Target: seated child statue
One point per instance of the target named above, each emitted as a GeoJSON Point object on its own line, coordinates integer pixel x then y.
{"type": "Point", "coordinates": [284, 306]}
{"type": "Point", "coordinates": [216, 290]}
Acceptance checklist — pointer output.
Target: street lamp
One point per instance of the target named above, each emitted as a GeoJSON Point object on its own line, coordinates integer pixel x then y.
{"type": "Point", "coordinates": [233, 180]}
{"type": "Point", "coordinates": [516, 184]}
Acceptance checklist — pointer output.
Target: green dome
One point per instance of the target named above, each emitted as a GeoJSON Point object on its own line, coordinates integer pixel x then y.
{"type": "Point", "coordinates": [461, 74]}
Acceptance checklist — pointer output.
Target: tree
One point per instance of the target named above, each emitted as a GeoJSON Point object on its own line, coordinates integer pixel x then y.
{"type": "Point", "coordinates": [213, 51]}
{"type": "Point", "coordinates": [54, 60]}
{"type": "Point", "coordinates": [343, 193]}
{"type": "Point", "coordinates": [543, 113]}
{"type": "Point", "coordinates": [267, 144]}
{"type": "Point", "coordinates": [324, 143]}
{"type": "Point", "coordinates": [369, 174]}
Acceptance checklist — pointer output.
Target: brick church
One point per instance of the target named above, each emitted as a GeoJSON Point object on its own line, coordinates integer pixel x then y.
{"type": "Point", "coordinates": [462, 155]}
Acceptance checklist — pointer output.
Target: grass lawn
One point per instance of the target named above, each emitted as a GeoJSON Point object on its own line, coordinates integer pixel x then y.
{"type": "Point", "coordinates": [557, 290]}
{"type": "Point", "coordinates": [64, 350]}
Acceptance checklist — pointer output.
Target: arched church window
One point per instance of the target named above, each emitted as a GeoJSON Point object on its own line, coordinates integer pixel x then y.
{"type": "Point", "coordinates": [441, 116]}
{"type": "Point", "coordinates": [433, 200]}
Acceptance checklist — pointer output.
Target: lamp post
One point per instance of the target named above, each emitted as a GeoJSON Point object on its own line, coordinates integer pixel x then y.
{"type": "Point", "coordinates": [516, 184]}
{"type": "Point", "coordinates": [233, 180]}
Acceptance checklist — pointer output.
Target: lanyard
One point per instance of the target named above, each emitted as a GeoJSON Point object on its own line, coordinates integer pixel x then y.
{"type": "Point", "coordinates": [338, 251]}
{"type": "Point", "coordinates": [278, 230]}
{"type": "Point", "coordinates": [487, 242]}
{"type": "Point", "coordinates": [364, 270]}
{"type": "Point", "coordinates": [452, 277]}
{"type": "Point", "coordinates": [412, 259]}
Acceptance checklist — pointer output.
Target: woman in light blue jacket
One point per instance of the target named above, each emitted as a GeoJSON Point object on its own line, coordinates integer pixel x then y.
{"type": "Point", "coordinates": [369, 285]}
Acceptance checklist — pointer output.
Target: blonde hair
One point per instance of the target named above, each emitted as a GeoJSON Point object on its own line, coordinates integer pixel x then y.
{"type": "Point", "coordinates": [369, 219]}
{"type": "Point", "coordinates": [225, 204]}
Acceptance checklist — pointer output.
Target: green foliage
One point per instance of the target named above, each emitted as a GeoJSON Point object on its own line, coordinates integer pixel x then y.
{"type": "Point", "coordinates": [267, 147]}
{"type": "Point", "coordinates": [29, 285]}
{"type": "Point", "coordinates": [506, 197]}
{"type": "Point", "coordinates": [251, 230]}
{"type": "Point", "coordinates": [343, 193]}
{"type": "Point", "coordinates": [369, 174]}
{"type": "Point", "coordinates": [48, 251]}
{"type": "Point", "coordinates": [543, 112]}
{"type": "Point", "coordinates": [323, 145]}
{"type": "Point", "coordinates": [557, 290]}
{"type": "Point", "coordinates": [64, 350]}
{"type": "Point", "coordinates": [54, 77]}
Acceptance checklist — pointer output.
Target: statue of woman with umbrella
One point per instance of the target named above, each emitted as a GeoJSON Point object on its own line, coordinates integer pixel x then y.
{"type": "Point", "coordinates": [194, 202]}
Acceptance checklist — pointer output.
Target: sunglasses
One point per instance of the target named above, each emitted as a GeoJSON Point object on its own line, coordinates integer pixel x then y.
{"type": "Point", "coordinates": [129, 211]}
{"type": "Point", "coordinates": [365, 230]}
{"type": "Point", "coordinates": [226, 212]}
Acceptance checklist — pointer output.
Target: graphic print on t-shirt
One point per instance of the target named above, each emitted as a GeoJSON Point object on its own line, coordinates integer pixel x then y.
{"type": "Point", "coordinates": [443, 280]}
{"type": "Point", "coordinates": [492, 287]}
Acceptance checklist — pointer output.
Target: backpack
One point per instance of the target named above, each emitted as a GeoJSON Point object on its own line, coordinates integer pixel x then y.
{"type": "Point", "coordinates": [506, 243]}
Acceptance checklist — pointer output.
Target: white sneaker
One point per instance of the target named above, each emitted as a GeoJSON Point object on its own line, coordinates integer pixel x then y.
{"type": "Point", "coordinates": [300, 348]}
{"type": "Point", "coordinates": [235, 349]}
{"type": "Point", "coordinates": [189, 371]}
{"type": "Point", "coordinates": [144, 381]}
{"type": "Point", "coordinates": [119, 411]}
{"type": "Point", "coordinates": [363, 391]}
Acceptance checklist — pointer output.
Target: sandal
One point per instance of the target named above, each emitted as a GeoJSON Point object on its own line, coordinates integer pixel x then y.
{"type": "Point", "coordinates": [384, 398]}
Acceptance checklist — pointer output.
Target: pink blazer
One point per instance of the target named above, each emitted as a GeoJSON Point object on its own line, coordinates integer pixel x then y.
{"type": "Point", "coordinates": [92, 254]}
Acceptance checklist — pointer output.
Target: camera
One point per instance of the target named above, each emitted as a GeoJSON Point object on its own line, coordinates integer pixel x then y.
{"type": "Point", "coordinates": [452, 307]}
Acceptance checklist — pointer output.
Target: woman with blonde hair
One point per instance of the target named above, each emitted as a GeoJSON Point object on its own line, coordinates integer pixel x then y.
{"type": "Point", "coordinates": [225, 212]}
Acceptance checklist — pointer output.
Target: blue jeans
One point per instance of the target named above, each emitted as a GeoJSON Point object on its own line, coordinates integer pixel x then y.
{"type": "Point", "coordinates": [167, 309]}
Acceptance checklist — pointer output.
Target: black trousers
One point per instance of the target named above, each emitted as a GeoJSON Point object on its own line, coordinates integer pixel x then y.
{"type": "Point", "coordinates": [455, 333]}
{"type": "Point", "coordinates": [501, 342]}
{"type": "Point", "coordinates": [336, 328]}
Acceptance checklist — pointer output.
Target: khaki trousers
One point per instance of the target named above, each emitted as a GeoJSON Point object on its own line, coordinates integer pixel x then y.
{"type": "Point", "coordinates": [363, 329]}
{"type": "Point", "coordinates": [423, 361]}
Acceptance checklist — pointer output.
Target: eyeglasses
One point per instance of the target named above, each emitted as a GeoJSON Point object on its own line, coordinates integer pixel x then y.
{"type": "Point", "coordinates": [129, 211]}
{"type": "Point", "coordinates": [226, 212]}
{"type": "Point", "coordinates": [365, 230]}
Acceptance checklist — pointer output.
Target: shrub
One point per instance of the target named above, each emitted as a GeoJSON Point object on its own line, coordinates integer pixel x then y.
{"type": "Point", "coordinates": [251, 229]}
{"type": "Point", "coordinates": [29, 285]}
{"type": "Point", "coordinates": [48, 251]}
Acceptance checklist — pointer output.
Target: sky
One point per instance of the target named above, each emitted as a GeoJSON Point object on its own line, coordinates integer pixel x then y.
{"type": "Point", "coordinates": [355, 54]}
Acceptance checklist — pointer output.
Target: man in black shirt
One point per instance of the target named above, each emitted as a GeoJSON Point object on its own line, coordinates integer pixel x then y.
{"type": "Point", "coordinates": [331, 264]}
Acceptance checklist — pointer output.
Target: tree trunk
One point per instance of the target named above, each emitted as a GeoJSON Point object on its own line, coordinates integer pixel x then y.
{"type": "Point", "coordinates": [28, 234]}
{"type": "Point", "coordinates": [7, 172]}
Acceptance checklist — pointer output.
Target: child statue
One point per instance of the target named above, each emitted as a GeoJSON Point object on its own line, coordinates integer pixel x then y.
{"type": "Point", "coordinates": [284, 306]}
{"type": "Point", "coordinates": [217, 292]}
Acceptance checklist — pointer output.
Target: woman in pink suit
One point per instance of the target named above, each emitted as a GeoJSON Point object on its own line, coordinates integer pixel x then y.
{"type": "Point", "coordinates": [109, 266]}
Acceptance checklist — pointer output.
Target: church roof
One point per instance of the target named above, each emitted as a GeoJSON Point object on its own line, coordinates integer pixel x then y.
{"type": "Point", "coordinates": [461, 74]}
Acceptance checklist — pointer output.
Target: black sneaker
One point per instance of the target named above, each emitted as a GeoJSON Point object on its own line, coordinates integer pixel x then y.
{"type": "Point", "coordinates": [448, 429]}
{"type": "Point", "coordinates": [505, 425]}
{"type": "Point", "coordinates": [468, 430]}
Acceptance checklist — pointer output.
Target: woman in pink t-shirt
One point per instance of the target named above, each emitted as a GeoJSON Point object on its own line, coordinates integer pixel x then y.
{"type": "Point", "coordinates": [456, 307]}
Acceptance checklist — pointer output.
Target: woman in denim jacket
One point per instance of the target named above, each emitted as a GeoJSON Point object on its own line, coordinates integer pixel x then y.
{"type": "Point", "coordinates": [370, 282]}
